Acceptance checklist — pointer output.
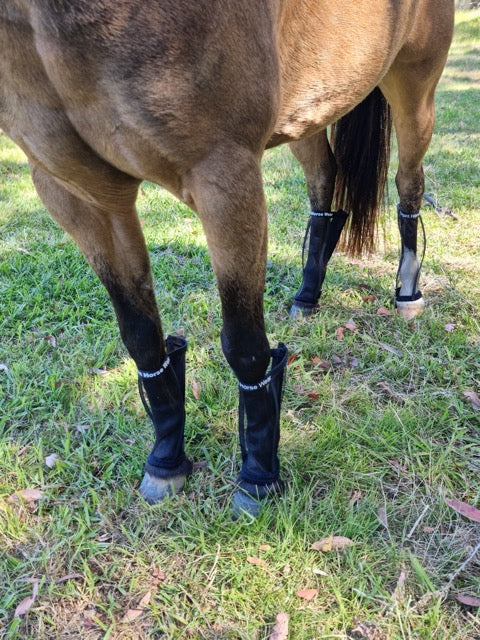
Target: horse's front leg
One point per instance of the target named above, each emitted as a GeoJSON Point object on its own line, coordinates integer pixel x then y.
{"type": "Point", "coordinates": [324, 226]}
{"type": "Point", "coordinates": [110, 237]}
{"type": "Point", "coordinates": [228, 195]}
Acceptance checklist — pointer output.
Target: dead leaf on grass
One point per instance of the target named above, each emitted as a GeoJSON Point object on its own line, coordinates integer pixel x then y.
{"type": "Point", "coordinates": [450, 326]}
{"type": "Point", "coordinates": [339, 333]}
{"type": "Point", "coordinates": [390, 393]}
{"type": "Point", "coordinates": [473, 398]}
{"type": "Point", "coordinates": [259, 562]}
{"type": "Point", "coordinates": [390, 349]}
{"type": "Point", "coordinates": [307, 594]}
{"type": "Point", "coordinates": [70, 576]}
{"type": "Point", "coordinates": [52, 341]}
{"type": "Point", "coordinates": [26, 604]}
{"type": "Point", "coordinates": [382, 517]}
{"type": "Point", "coordinates": [464, 509]}
{"type": "Point", "coordinates": [280, 630]}
{"type": "Point", "coordinates": [356, 497]}
{"type": "Point", "coordinates": [133, 614]}
{"type": "Point", "coordinates": [399, 591]}
{"type": "Point", "coordinates": [332, 543]}
{"type": "Point", "coordinates": [29, 495]}
{"type": "Point", "coordinates": [324, 365]}
{"type": "Point", "coordinates": [196, 390]}
{"type": "Point", "coordinates": [51, 460]}
{"type": "Point", "coordinates": [82, 428]}
{"type": "Point", "coordinates": [383, 311]}
{"type": "Point", "coordinates": [470, 601]}
{"type": "Point", "coordinates": [350, 325]}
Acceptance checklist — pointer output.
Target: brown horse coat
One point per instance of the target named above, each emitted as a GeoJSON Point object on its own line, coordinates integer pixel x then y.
{"type": "Point", "coordinates": [188, 94]}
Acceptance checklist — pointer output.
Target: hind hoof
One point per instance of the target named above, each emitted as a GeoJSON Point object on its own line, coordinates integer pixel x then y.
{"type": "Point", "coordinates": [154, 489]}
{"type": "Point", "coordinates": [410, 309]}
{"type": "Point", "coordinates": [300, 310]}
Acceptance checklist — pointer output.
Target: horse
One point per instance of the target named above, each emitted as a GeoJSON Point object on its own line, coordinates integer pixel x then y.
{"type": "Point", "coordinates": [188, 94]}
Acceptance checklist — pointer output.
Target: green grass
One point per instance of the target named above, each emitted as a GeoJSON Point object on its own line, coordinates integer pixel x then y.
{"type": "Point", "coordinates": [346, 453]}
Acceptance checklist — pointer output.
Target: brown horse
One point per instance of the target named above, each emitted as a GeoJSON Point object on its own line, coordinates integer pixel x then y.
{"type": "Point", "coordinates": [188, 94]}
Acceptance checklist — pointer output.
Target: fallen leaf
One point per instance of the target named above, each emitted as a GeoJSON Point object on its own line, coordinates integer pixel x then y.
{"type": "Point", "coordinates": [196, 390]}
{"type": "Point", "coordinates": [350, 325]}
{"type": "Point", "coordinates": [391, 394]}
{"type": "Point", "coordinates": [51, 340]}
{"type": "Point", "coordinates": [391, 349]}
{"type": "Point", "coordinates": [280, 630]}
{"type": "Point", "coordinates": [399, 591]}
{"type": "Point", "coordinates": [133, 614]}
{"type": "Point", "coordinates": [324, 365]}
{"type": "Point", "coordinates": [319, 572]}
{"type": "Point", "coordinates": [356, 497]}
{"type": "Point", "coordinates": [369, 298]}
{"type": "Point", "coordinates": [332, 543]}
{"type": "Point", "coordinates": [51, 460]}
{"type": "Point", "coordinates": [464, 509]}
{"type": "Point", "coordinates": [473, 398]}
{"type": "Point", "coordinates": [69, 576]}
{"type": "Point", "coordinates": [30, 495]}
{"type": "Point", "coordinates": [26, 604]}
{"type": "Point", "coordinates": [259, 562]}
{"type": "Point", "coordinates": [307, 594]}
{"type": "Point", "coordinates": [264, 547]}
{"type": "Point", "coordinates": [82, 428]}
{"type": "Point", "coordinates": [339, 333]}
{"type": "Point", "coordinates": [383, 311]}
{"type": "Point", "coordinates": [382, 517]}
{"type": "Point", "coordinates": [450, 326]}
{"type": "Point", "coordinates": [470, 601]}
{"type": "Point", "coordinates": [353, 362]}
{"type": "Point", "coordinates": [313, 394]}
{"type": "Point", "coordinates": [158, 576]}
{"type": "Point", "coordinates": [292, 357]}
{"type": "Point", "coordinates": [336, 360]}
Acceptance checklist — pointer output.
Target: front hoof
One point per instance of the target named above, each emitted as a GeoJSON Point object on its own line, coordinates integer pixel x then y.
{"type": "Point", "coordinates": [154, 489]}
{"type": "Point", "coordinates": [410, 309]}
{"type": "Point", "coordinates": [300, 310]}
{"type": "Point", "coordinates": [243, 504]}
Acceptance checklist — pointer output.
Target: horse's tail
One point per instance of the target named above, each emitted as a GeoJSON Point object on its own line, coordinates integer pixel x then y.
{"type": "Point", "coordinates": [361, 144]}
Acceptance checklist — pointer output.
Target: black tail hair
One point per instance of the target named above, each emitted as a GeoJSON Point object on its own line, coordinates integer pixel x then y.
{"type": "Point", "coordinates": [361, 144]}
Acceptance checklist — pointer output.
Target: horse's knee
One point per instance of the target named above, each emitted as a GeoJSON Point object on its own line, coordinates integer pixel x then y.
{"type": "Point", "coordinates": [247, 356]}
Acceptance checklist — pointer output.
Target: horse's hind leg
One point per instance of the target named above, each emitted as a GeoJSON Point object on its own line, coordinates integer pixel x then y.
{"type": "Point", "coordinates": [409, 88]}
{"type": "Point", "coordinates": [324, 226]}
{"type": "Point", "coordinates": [110, 237]}
{"type": "Point", "coordinates": [228, 195]}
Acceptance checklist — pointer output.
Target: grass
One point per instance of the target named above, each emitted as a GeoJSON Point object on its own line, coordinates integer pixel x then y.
{"type": "Point", "coordinates": [387, 428]}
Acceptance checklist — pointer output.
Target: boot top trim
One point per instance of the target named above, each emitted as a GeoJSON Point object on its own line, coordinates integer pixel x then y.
{"type": "Point", "coordinates": [154, 374]}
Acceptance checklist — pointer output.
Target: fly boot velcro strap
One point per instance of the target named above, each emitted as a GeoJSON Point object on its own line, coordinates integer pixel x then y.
{"type": "Point", "coordinates": [259, 427]}
{"type": "Point", "coordinates": [163, 396]}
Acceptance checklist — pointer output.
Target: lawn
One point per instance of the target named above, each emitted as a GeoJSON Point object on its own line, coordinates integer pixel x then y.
{"type": "Point", "coordinates": [378, 429]}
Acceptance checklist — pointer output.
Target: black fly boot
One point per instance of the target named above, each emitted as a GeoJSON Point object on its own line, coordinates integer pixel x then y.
{"type": "Point", "coordinates": [167, 466]}
{"type": "Point", "coordinates": [259, 430]}
{"type": "Point", "coordinates": [408, 297]}
{"type": "Point", "coordinates": [323, 232]}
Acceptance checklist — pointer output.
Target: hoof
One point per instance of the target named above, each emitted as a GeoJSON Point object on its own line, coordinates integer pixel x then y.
{"type": "Point", "coordinates": [300, 310]}
{"type": "Point", "coordinates": [409, 310]}
{"type": "Point", "coordinates": [243, 504]}
{"type": "Point", "coordinates": [155, 490]}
